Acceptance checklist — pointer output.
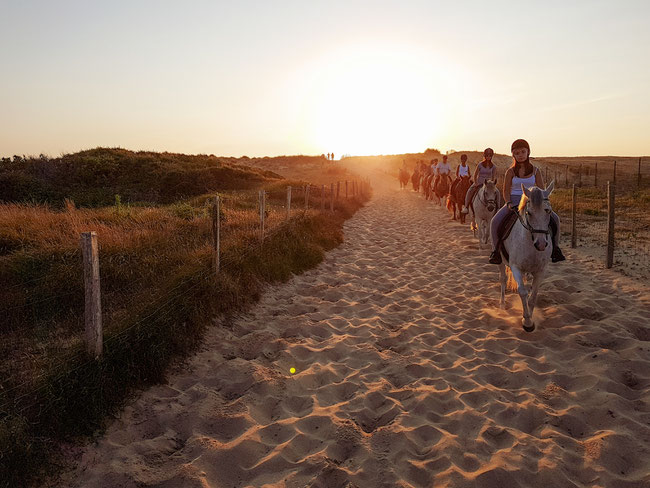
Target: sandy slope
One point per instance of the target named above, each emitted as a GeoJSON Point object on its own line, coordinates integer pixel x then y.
{"type": "Point", "coordinates": [407, 375]}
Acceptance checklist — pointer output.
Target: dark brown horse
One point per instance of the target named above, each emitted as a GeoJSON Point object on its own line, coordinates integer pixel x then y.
{"type": "Point", "coordinates": [426, 186]}
{"type": "Point", "coordinates": [415, 180]}
{"type": "Point", "coordinates": [441, 188]}
{"type": "Point", "coordinates": [457, 197]}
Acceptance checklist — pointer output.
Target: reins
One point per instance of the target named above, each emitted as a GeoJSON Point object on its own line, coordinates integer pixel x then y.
{"type": "Point", "coordinates": [483, 198]}
{"type": "Point", "coordinates": [529, 227]}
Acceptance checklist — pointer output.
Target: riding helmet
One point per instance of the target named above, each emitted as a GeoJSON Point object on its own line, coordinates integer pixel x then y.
{"type": "Point", "coordinates": [520, 143]}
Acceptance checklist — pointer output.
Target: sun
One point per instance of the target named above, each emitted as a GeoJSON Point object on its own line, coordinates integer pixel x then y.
{"type": "Point", "coordinates": [378, 100]}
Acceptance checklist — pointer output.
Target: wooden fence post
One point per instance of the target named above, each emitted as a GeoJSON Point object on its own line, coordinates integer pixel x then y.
{"type": "Point", "coordinates": [338, 190]}
{"type": "Point", "coordinates": [614, 182]}
{"type": "Point", "coordinates": [611, 188]}
{"type": "Point", "coordinates": [216, 237]}
{"type": "Point", "coordinates": [574, 236]}
{"type": "Point", "coordinates": [566, 176]}
{"type": "Point", "coordinates": [331, 197]}
{"type": "Point", "coordinates": [596, 176]}
{"type": "Point", "coordinates": [346, 189]}
{"type": "Point", "coordinates": [638, 179]}
{"type": "Point", "coordinates": [580, 175]}
{"type": "Point", "coordinates": [322, 198]}
{"type": "Point", "coordinates": [288, 202]}
{"type": "Point", "coordinates": [93, 308]}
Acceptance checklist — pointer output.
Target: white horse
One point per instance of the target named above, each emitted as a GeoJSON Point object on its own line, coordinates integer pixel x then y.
{"type": "Point", "coordinates": [529, 248]}
{"type": "Point", "coordinates": [484, 205]}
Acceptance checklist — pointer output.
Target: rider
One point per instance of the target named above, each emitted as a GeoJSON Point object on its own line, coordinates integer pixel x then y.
{"type": "Point", "coordinates": [485, 170]}
{"type": "Point", "coordinates": [442, 169]}
{"type": "Point", "coordinates": [462, 171]}
{"type": "Point", "coordinates": [521, 172]}
{"type": "Point", "coordinates": [415, 178]}
{"type": "Point", "coordinates": [434, 165]}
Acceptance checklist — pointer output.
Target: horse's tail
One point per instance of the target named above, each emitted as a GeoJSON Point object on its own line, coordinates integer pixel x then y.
{"type": "Point", "coordinates": [511, 285]}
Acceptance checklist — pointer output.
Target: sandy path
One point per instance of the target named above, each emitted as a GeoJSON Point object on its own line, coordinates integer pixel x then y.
{"type": "Point", "coordinates": [407, 375]}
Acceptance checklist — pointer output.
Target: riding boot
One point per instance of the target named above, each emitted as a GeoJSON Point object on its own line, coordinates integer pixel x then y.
{"type": "Point", "coordinates": [468, 198]}
{"type": "Point", "coordinates": [497, 231]}
{"type": "Point", "coordinates": [495, 257]}
{"type": "Point", "coordinates": [556, 254]}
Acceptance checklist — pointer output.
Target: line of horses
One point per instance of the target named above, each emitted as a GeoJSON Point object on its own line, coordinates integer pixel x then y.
{"type": "Point", "coordinates": [526, 249]}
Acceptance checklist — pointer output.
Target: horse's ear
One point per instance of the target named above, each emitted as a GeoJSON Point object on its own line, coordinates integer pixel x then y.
{"type": "Point", "coordinates": [549, 189]}
{"type": "Point", "coordinates": [525, 191]}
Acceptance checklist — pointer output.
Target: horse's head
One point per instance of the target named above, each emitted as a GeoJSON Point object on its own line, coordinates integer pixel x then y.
{"type": "Point", "coordinates": [490, 195]}
{"type": "Point", "coordinates": [535, 208]}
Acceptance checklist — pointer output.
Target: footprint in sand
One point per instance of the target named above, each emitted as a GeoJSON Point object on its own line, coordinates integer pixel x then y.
{"type": "Point", "coordinates": [408, 375]}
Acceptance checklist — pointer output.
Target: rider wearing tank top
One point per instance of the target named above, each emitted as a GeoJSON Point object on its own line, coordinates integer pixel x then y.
{"type": "Point", "coordinates": [485, 170]}
{"type": "Point", "coordinates": [462, 171]}
{"type": "Point", "coordinates": [443, 168]}
{"type": "Point", "coordinates": [521, 172]}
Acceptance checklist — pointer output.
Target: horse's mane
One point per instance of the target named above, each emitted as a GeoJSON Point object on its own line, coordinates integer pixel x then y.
{"type": "Point", "coordinates": [536, 198]}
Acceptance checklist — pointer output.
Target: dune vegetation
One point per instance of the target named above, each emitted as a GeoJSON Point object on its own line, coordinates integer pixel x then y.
{"type": "Point", "coordinates": [159, 292]}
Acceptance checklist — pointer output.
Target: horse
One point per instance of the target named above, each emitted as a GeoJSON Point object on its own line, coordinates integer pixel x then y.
{"type": "Point", "coordinates": [403, 178]}
{"type": "Point", "coordinates": [485, 204]}
{"type": "Point", "coordinates": [457, 197]}
{"type": "Point", "coordinates": [426, 186]}
{"type": "Point", "coordinates": [415, 180]}
{"type": "Point", "coordinates": [441, 188]}
{"type": "Point", "coordinates": [529, 246]}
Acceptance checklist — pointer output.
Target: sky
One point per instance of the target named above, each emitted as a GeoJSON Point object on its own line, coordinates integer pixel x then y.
{"type": "Point", "coordinates": [267, 78]}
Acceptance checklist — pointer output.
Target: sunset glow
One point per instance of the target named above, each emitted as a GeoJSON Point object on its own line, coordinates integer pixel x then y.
{"type": "Point", "coordinates": [377, 100]}
{"type": "Point", "coordinates": [312, 77]}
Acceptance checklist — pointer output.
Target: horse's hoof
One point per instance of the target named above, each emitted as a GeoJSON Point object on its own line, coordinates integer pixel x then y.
{"type": "Point", "coordinates": [529, 328]}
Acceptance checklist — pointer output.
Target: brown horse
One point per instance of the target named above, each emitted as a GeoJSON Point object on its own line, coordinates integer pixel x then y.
{"type": "Point", "coordinates": [415, 180]}
{"type": "Point", "coordinates": [441, 188]}
{"type": "Point", "coordinates": [403, 178]}
{"type": "Point", "coordinates": [457, 197]}
{"type": "Point", "coordinates": [428, 191]}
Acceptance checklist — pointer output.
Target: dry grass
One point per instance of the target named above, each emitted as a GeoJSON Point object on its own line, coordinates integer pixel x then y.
{"type": "Point", "coordinates": [157, 297]}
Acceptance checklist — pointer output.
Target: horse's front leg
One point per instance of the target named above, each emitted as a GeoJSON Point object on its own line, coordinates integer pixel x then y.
{"type": "Point", "coordinates": [484, 232]}
{"type": "Point", "coordinates": [532, 299]}
{"type": "Point", "coordinates": [502, 279]}
{"type": "Point", "coordinates": [527, 324]}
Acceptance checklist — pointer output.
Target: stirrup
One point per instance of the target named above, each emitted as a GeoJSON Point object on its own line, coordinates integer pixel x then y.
{"type": "Point", "coordinates": [495, 257]}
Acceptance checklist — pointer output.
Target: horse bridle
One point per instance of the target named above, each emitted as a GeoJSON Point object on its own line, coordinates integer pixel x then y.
{"type": "Point", "coordinates": [486, 201]}
{"type": "Point", "coordinates": [529, 227]}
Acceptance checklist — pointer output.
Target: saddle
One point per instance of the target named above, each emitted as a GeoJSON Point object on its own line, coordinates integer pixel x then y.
{"type": "Point", "coordinates": [473, 196]}
{"type": "Point", "coordinates": [504, 231]}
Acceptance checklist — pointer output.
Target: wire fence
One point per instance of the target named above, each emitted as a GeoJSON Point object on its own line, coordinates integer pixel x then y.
{"type": "Point", "coordinates": [627, 248]}
{"type": "Point", "coordinates": [247, 220]}
{"type": "Point", "coordinates": [628, 174]}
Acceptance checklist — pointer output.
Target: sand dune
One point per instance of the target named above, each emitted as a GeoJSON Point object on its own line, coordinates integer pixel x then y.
{"type": "Point", "coordinates": [408, 375]}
